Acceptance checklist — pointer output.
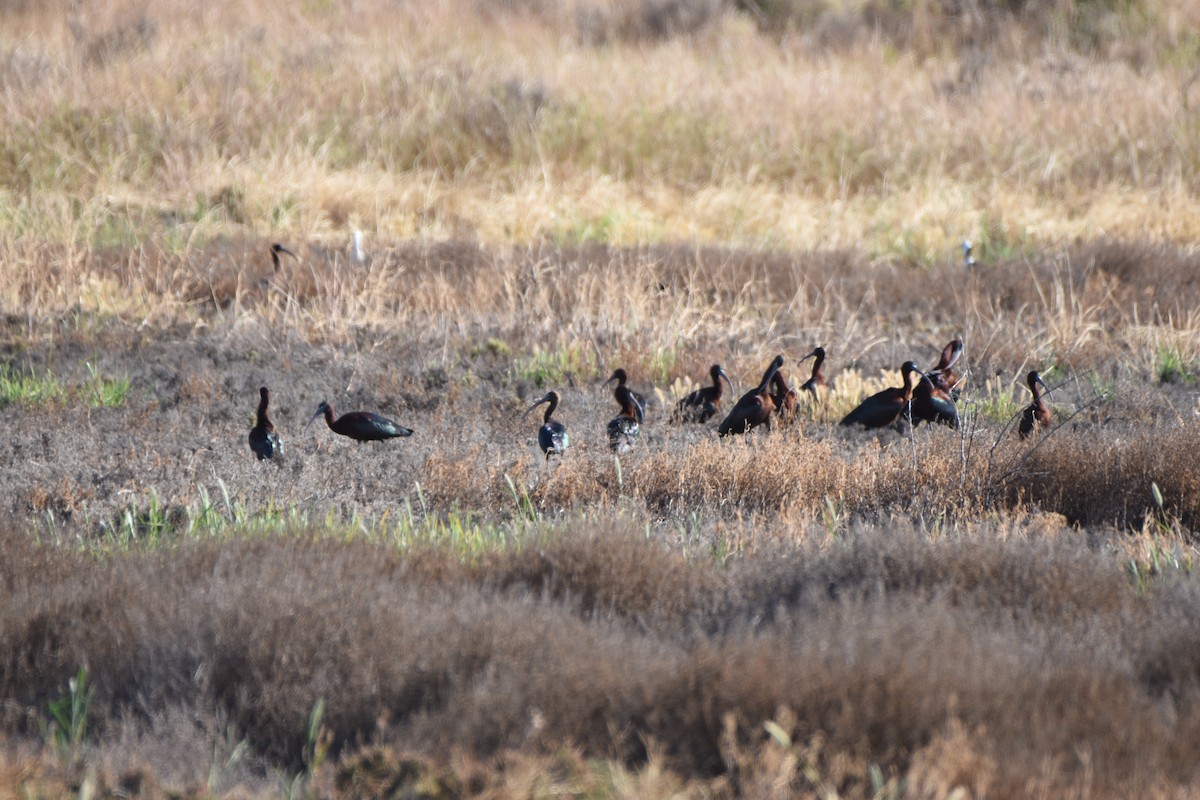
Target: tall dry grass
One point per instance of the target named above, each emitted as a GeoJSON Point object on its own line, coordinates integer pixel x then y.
{"type": "Point", "coordinates": [548, 191]}
{"type": "Point", "coordinates": [996, 660]}
{"type": "Point", "coordinates": [130, 124]}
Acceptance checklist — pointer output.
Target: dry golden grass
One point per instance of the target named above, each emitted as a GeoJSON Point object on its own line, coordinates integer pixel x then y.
{"type": "Point", "coordinates": [547, 191]}
{"type": "Point", "coordinates": [129, 123]}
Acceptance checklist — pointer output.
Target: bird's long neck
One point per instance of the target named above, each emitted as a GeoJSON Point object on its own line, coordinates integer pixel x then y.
{"type": "Point", "coordinates": [908, 384]}
{"type": "Point", "coordinates": [628, 404]}
{"type": "Point", "coordinates": [553, 404]}
{"type": "Point", "coordinates": [817, 364]}
{"type": "Point", "coordinates": [329, 416]}
{"type": "Point", "coordinates": [768, 376]}
{"type": "Point", "coordinates": [716, 378]}
{"type": "Point", "coordinates": [262, 410]}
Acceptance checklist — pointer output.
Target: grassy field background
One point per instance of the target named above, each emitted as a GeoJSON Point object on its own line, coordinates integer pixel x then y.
{"type": "Point", "coordinates": [544, 192]}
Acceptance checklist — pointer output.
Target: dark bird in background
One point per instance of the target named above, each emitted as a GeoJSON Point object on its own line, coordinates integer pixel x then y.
{"type": "Point", "coordinates": [362, 426]}
{"type": "Point", "coordinates": [624, 428]}
{"type": "Point", "coordinates": [276, 249]}
{"type": "Point", "coordinates": [884, 408]}
{"type": "Point", "coordinates": [704, 403]}
{"type": "Point", "coordinates": [943, 375]}
{"type": "Point", "coordinates": [1036, 414]}
{"type": "Point", "coordinates": [552, 436]}
{"type": "Point", "coordinates": [755, 406]}
{"type": "Point", "coordinates": [817, 379]}
{"type": "Point", "coordinates": [621, 378]}
{"type": "Point", "coordinates": [932, 404]}
{"type": "Point", "coordinates": [264, 441]}
{"type": "Point", "coordinates": [783, 396]}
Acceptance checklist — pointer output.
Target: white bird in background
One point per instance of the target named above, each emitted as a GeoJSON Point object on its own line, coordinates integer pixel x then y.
{"type": "Point", "coordinates": [360, 256]}
{"type": "Point", "coordinates": [968, 259]}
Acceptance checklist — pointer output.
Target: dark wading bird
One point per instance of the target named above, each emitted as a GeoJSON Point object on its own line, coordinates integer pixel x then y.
{"type": "Point", "coordinates": [784, 397]}
{"type": "Point", "coordinates": [943, 375]}
{"type": "Point", "coordinates": [755, 406]}
{"type": "Point", "coordinates": [620, 377]}
{"type": "Point", "coordinates": [1036, 414]}
{"type": "Point", "coordinates": [932, 404]}
{"type": "Point", "coordinates": [362, 426]}
{"type": "Point", "coordinates": [703, 404]}
{"type": "Point", "coordinates": [624, 428]}
{"type": "Point", "coordinates": [552, 436]}
{"type": "Point", "coordinates": [264, 441]}
{"type": "Point", "coordinates": [884, 408]}
{"type": "Point", "coordinates": [276, 249]}
{"type": "Point", "coordinates": [817, 379]}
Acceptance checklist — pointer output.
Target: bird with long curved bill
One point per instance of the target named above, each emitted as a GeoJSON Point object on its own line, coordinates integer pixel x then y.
{"type": "Point", "coordinates": [264, 441]}
{"type": "Point", "coordinates": [883, 408]}
{"type": "Point", "coordinates": [1036, 415]}
{"type": "Point", "coordinates": [943, 375]}
{"type": "Point", "coordinates": [622, 378]}
{"type": "Point", "coordinates": [276, 249]}
{"type": "Point", "coordinates": [362, 426]}
{"type": "Point", "coordinates": [703, 404]}
{"type": "Point", "coordinates": [755, 407]}
{"type": "Point", "coordinates": [817, 379]}
{"type": "Point", "coordinates": [552, 436]}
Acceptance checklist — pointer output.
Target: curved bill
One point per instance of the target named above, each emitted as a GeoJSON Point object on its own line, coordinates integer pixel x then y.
{"type": "Point", "coordinates": [545, 399]}
{"type": "Point", "coordinates": [313, 419]}
{"type": "Point", "coordinates": [729, 383]}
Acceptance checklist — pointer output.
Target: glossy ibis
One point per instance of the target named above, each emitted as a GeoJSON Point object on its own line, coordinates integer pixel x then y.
{"type": "Point", "coordinates": [703, 404]}
{"type": "Point", "coordinates": [624, 428]}
{"type": "Point", "coordinates": [264, 441]}
{"type": "Point", "coordinates": [621, 378]}
{"type": "Point", "coordinates": [784, 397]}
{"type": "Point", "coordinates": [817, 379]}
{"type": "Point", "coordinates": [1036, 414]}
{"type": "Point", "coordinates": [552, 436]}
{"type": "Point", "coordinates": [884, 408]}
{"type": "Point", "coordinates": [930, 403]}
{"type": "Point", "coordinates": [755, 406]}
{"type": "Point", "coordinates": [362, 426]}
{"type": "Point", "coordinates": [276, 249]}
{"type": "Point", "coordinates": [943, 375]}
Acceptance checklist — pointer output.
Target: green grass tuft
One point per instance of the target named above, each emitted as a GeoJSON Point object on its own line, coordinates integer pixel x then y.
{"type": "Point", "coordinates": [553, 367]}
{"type": "Point", "coordinates": [27, 388]}
{"type": "Point", "coordinates": [101, 391]}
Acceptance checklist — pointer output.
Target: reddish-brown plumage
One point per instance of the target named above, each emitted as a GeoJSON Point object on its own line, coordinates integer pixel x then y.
{"type": "Point", "coordinates": [1037, 414]}
{"type": "Point", "coordinates": [623, 430]}
{"type": "Point", "coordinates": [703, 404]}
{"type": "Point", "coordinates": [884, 408]}
{"type": "Point", "coordinates": [622, 378]}
{"type": "Point", "coordinates": [943, 375]}
{"type": "Point", "coordinates": [754, 408]}
{"type": "Point", "coordinates": [817, 379]}
{"type": "Point", "coordinates": [784, 396]}
{"type": "Point", "coordinates": [264, 441]}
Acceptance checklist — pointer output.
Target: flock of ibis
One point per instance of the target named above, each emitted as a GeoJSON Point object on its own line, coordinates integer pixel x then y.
{"type": "Point", "coordinates": [930, 399]}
